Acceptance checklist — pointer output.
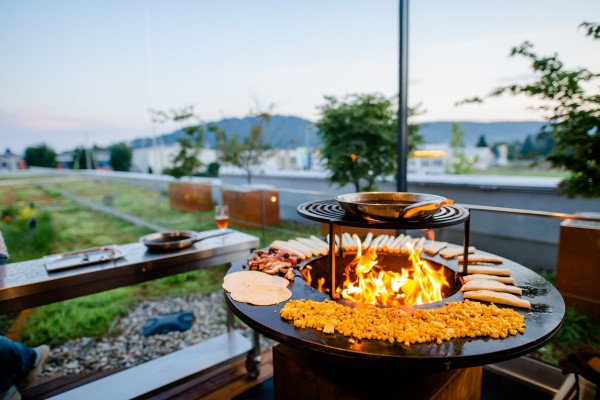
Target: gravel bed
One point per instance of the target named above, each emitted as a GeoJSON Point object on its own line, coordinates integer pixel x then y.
{"type": "Point", "coordinates": [127, 347]}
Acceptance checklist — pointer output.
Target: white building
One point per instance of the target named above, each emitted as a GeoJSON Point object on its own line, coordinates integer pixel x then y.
{"type": "Point", "coordinates": [437, 158]}
{"type": "Point", "coordinates": [160, 157]}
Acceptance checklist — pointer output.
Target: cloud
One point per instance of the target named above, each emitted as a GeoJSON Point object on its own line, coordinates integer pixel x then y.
{"type": "Point", "coordinates": [506, 80]}
{"type": "Point", "coordinates": [38, 119]}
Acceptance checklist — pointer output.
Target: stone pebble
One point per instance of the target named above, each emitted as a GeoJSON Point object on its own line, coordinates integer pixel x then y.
{"type": "Point", "coordinates": [125, 346]}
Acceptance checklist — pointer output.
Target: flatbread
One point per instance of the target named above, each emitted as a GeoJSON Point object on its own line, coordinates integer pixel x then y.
{"type": "Point", "coordinates": [503, 279]}
{"type": "Point", "coordinates": [245, 278]}
{"type": "Point", "coordinates": [476, 259]}
{"type": "Point", "coordinates": [489, 284]}
{"type": "Point", "coordinates": [497, 297]}
{"type": "Point", "coordinates": [486, 270]}
{"type": "Point", "coordinates": [432, 248]}
{"type": "Point", "coordinates": [455, 252]}
{"type": "Point", "coordinates": [261, 294]}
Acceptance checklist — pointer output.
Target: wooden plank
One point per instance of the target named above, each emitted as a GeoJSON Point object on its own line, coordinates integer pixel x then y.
{"type": "Point", "coordinates": [302, 375]}
{"type": "Point", "coordinates": [222, 383]}
{"type": "Point", "coordinates": [44, 387]}
{"type": "Point", "coordinates": [164, 371]}
{"type": "Point", "coordinates": [242, 383]}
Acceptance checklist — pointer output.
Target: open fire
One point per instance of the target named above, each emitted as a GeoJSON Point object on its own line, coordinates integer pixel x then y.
{"type": "Point", "coordinates": [387, 280]}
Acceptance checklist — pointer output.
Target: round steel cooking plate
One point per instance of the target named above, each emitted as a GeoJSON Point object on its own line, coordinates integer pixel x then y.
{"type": "Point", "coordinates": [543, 322]}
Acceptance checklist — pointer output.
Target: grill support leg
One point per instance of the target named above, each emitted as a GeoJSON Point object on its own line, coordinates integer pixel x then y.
{"type": "Point", "coordinates": [332, 258]}
{"type": "Point", "coordinates": [253, 357]}
{"type": "Point", "coordinates": [467, 233]}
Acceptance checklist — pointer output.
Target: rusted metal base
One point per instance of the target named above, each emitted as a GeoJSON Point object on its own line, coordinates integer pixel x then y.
{"type": "Point", "coordinates": [579, 266]}
{"type": "Point", "coordinates": [300, 374]}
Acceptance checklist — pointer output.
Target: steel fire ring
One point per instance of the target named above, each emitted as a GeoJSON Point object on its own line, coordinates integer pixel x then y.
{"type": "Point", "coordinates": [542, 323]}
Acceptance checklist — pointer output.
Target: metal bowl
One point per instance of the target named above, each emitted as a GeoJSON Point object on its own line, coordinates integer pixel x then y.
{"type": "Point", "coordinates": [392, 206]}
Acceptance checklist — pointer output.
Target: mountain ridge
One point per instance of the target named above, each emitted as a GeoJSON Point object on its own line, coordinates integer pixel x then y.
{"type": "Point", "coordinates": [286, 131]}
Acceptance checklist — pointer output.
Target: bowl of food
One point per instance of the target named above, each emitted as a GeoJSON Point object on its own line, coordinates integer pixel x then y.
{"type": "Point", "coordinates": [392, 206]}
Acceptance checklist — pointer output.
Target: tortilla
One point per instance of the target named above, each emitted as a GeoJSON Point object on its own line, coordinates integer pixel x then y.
{"type": "Point", "coordinates": [245, 278]}
{"type": "Point", "coordinates": [497, 297]}
{"type": "Point", "coordinates": [455, 252]}
{"type": "Point", "coordinates": [486, 270]}
{"type": "Point", "coordinates": [503, 279]}
{"type": "Point", "coordinates": [261, 294]}
{"type": "Point", "coordinates": [489, 284]}
{"type": "Point", "coordinates": [476, 259]}
{"type": "Point", "coordinates": [432, 248]}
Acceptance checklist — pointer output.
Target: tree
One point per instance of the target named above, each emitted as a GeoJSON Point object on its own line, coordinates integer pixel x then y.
{"type": "Point", "coordinates": [414, 137]}
{"type": "Point", "coordinates": [482, 142]}
{"type": "Point", "coordinates": [528, 150]}
{"type": "Point", "coordinates": [573, 120]}
{"type": "Point", "coordinates": [213, 169]}
{"type": "Point", "coordinates": [120, 157]}
{"type": "Point", "coordinates": [460, 164]}
{"type": "Point", "coordinates": [186, 162]}
{"type": "Point", "coordinates": [252, 150]}
{"type": "Point", "coordinates": [512, 149]}
{"type": "Point", "coordinates": [359, 139]}
{"type": "Point", "coordinates": [84, 158]}
{"type": "Point", "coordinates": [349, 119]}
{"type": "Point", "coordinates": [40, 156]}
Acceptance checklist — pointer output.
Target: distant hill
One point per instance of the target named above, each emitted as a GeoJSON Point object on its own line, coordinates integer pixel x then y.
{"type": "Point", "coordinates": [282, 132]}
{"type": "Point", "coordinates": [289, 131]}
{"type": "Point", "coordinates": [437, 132]}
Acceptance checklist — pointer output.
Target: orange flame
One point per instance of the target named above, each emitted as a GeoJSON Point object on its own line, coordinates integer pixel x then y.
{"type": "Point", "coordinates": [430, 235]}
{"type": "Point", "coordinates": [368, 282]}
{"type": "Point", "coordinates": [306, 274]}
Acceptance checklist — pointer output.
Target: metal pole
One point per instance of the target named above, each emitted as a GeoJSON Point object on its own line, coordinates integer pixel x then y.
{"type": "Point", "coordinates": [402, 135]}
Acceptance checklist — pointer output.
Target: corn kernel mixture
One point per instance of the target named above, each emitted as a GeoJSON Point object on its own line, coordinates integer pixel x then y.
{"type": "Point", "coordinates": [454, 320]}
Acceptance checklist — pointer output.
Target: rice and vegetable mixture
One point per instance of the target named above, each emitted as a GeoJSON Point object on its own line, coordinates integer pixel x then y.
{"type": "Point", "coordinates": [454, 320]}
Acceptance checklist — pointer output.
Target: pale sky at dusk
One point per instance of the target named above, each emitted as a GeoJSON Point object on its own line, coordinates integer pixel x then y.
{"type": "Point", "coordinates": [72, 70]}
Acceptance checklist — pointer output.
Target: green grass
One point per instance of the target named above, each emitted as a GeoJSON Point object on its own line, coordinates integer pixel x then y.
{"type": "Point", "coordinates": [67, 226]}
{"type": "Point", "coordinates": [577, 330]}
{"type": "Point", "coordinates": [84, 316]}
{"type": "Point", "coordinates": [202, 281]}
{"type": "Point", "coordinates": [523, 169]}
{"type": "Point", "coordinates": [93, 315]}
{"type": "Point", "coordinates": [23, 242]}
{"type": "Point", "coordinates": [154, 207]}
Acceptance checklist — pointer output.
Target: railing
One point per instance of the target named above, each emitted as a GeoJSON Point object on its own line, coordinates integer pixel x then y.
{"type": "Point", "coordinates": [511, 234]}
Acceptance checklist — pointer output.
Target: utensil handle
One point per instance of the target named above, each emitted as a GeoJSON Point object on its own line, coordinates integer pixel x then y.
{"type": "Point", "coordinates": [413, 209]}
{"type": "Point", "coordinates": [198, 237]}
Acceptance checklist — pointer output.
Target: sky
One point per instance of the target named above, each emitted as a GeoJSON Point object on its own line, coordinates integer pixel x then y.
{"type": "Point", "coordinates": [83, 72]}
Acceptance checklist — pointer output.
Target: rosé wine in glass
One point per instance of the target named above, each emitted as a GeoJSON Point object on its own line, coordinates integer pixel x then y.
{"type": "Point", "coordinates": [222, 217]}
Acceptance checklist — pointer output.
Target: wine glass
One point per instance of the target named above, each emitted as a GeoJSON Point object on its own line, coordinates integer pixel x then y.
{"type": "Point", "coordinates": [222, 217]}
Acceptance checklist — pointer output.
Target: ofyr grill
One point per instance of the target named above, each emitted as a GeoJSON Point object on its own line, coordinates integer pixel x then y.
{"type": "Point", "coordinates": [542, 322]}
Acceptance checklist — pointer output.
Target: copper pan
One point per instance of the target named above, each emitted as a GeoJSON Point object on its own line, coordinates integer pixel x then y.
{"type": "Point", "coordinates": [392, 206]}
{"type": "Point", "coordinates": [177, 240]}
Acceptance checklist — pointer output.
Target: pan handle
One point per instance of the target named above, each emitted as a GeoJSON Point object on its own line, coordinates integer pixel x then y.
{"type": "Point", "coordinates": [429, 205]}
{"type": "Point", "coordinates": [199, 236]}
